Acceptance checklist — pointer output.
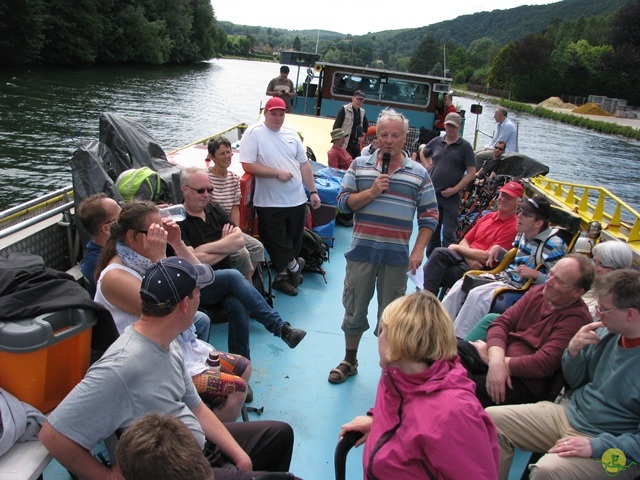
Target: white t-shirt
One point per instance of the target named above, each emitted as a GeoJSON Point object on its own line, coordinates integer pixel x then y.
{"type": "Point", "coordinates": [282, 150]}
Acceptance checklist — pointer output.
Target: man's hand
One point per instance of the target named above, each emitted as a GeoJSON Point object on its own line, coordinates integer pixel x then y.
{"type": "Point", "coordinates": [415, 260]}
{"type": "Point", "coordinates": [498, 380]}
{"type": "Point", "coordinates": [527, 272]}
{"type": "Point", "coordinates": [496, 252]}
{"type": "Point", "coordinates": [228, 229]}
{"type": "Point", "coordinates": [572, 446]}
{"type": "Point", "coordinates": [449, 192]}
{"type": "Point", "coordinates": [315, 201]}
{"type": "Point", "coordinates": [173, 231]}
{"type": "Point", "coordinates": [243, 461]}
{"type": "Point", "coordinates": [586, 336]}
{"type": "Point", "coordinates": [284, 175]}
{"type": "Point", "coordinates": [380, 185]}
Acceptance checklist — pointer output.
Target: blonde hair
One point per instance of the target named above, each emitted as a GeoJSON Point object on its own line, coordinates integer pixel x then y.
{"type": "Point", "coordinates": [419, 329]}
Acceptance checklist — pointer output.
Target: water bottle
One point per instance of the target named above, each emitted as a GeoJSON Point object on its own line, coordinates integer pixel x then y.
{"type": "Point", "coordinates": [214, 361]}
{"type": "Point", "coordinates": [177, 213]}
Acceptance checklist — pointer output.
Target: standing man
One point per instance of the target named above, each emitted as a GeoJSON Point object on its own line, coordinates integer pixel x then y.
{"type": "Point", "coordinates": [275, 155]}
{"type": "Point", "coordinates": [384, 206]}
{"type": "Point", "coordinates": [96, 214]}
{"type": "Point", "coordinates": [584, 436]}
{"type": "Point", "coordinates": [447, 159]}
{"type": "Point", "coordinates": [505, 131]}
{"type": "Point", "coordinates": [352, 119]}
{"type": "Point", "coordinates": [282, 87]}
{"type": "Point", "coordinates": [446, 265]}
{"type": "Point", "coordinates": [143, 371]}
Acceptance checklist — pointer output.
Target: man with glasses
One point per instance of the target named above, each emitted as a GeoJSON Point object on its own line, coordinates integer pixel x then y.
{"type": "Point", "coordinates": [491, 165]}
{"type": "Point", "coordinates": [208, 230]}
{"type": "Point", "coordinates": [594, 433]}
{"type": "Point", "coordinates": [96, 213]}
{"type": "Point", "coordinates": [538, 251]}
{"type": "Point", "coordinates": [352, 119]}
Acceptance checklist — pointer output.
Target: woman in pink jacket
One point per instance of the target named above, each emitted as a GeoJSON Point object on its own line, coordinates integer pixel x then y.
{"type": "Point", "coordinates": [426, 422]}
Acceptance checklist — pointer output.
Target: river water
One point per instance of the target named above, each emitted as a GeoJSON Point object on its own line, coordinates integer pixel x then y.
{"type": "Point", "coordinates": [45, 111]}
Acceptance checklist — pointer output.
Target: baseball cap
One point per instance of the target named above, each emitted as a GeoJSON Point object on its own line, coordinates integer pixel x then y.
{"type": "Point", "coordinates": [359, 94]}
{"type": "Point", "coordinates": [454, 119]}
{"type": "Point", "coordinates": [171, 279]}
{"type": "Point", "coordinates": [513, 189]}
{"type": "Point", "coordinates": [538, 205]}
{"type": "Point", "coordinates": [275, 103]}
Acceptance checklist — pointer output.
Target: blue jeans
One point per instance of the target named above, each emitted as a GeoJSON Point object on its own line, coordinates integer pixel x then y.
{"type": "Point", "coordinates": [203, 326]}
{"type": "Point", "coordinates": [240, 299]}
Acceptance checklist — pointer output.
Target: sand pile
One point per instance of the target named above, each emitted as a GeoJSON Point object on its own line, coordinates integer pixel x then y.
{"type": "Point", "coordinates": [591, 109]}
{"type": "Point", "coordinates": [556, 102]}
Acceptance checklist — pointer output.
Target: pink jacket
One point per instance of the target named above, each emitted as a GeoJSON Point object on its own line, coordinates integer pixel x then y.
{"type": "Point", "coordinates": [441, 428]}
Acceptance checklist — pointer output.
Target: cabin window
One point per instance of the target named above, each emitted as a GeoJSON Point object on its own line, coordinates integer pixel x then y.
{"type": "Point", "coordinates": [379, 88]}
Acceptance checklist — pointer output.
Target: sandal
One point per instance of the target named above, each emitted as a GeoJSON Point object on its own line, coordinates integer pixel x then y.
{"type": "Point", "coordinates": [339, 375]}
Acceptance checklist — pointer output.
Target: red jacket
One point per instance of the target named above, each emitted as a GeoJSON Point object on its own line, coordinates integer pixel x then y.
{"type": "Point", "coordinates": [443, 428]}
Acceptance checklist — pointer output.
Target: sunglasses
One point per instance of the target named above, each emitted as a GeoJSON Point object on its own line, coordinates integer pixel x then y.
{"type": "Point", "coordinates": [499, 148]}
{"type": "Point", "coordinates": [524, 213]}
{"type": "Point", "coordinates": [200, 191]}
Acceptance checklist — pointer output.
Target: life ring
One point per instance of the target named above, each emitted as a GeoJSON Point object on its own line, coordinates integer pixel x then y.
{"type": "Point", "coordinates": [317, 67]}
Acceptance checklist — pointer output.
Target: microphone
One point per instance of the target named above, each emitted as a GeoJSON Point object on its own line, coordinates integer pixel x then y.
{"type": "Point", "coordinates": [386, 160]}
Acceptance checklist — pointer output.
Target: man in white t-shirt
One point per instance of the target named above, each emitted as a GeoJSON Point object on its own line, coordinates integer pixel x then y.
{"type": "Point", "coordinates": [275, 155]}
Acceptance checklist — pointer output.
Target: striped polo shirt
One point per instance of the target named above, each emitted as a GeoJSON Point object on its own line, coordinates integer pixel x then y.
{"type": "Point", "coordinates": [382, 228]}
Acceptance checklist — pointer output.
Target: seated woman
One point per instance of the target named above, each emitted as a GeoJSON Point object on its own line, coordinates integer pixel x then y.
{"type": "Point", "coordinates": [426, 422]}
{"type": "Point", "coordinates": [139, 238]}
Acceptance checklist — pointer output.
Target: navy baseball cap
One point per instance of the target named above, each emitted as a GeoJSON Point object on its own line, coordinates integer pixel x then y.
{"type": "Point", "coordinates": [171, 279]}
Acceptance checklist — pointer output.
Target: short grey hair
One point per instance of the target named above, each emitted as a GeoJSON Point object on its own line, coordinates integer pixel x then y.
{"type": "Point", "coordinates": [502, 111]}
{"type": "Point", "coordinates": [390, 114]}
{"type": "Point", "coordinates": [613, 254]}
{"type": "Point", "coordinates": [187, 174]}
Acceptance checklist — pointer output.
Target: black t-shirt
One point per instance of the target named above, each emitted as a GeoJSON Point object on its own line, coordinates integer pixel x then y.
{"type": "Point", "coordinates": [196, 232]}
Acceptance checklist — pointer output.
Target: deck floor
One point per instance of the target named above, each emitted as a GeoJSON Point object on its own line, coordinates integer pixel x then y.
{"type": "Point", "coordinates": [292, 385]}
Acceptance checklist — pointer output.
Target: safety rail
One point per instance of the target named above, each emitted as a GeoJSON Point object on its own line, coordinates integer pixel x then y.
{"type": "Point", "coordinates": [595, 204]}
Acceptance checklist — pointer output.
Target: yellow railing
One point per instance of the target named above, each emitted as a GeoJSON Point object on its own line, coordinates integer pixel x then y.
{"type": "Point", "coordinates": [595, 204]}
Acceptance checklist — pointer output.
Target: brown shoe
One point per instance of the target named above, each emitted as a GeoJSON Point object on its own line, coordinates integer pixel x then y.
{"type": "Point", "coordinates": [283, 284]}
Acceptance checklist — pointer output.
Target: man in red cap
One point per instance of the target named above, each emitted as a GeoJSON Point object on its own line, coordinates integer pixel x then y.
{"type": "Point", "coordinates": [446, 265]}
{"type": "Point", "coordinates": [275, 155]}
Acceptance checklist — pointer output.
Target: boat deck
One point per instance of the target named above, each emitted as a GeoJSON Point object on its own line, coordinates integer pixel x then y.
{"type": "Point", "coordinates": [292, 385]}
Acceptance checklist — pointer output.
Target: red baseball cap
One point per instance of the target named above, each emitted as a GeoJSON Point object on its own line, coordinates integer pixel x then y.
{"type": "Point", "coordinates": [275, 103]}
{"type": "Point", "coordinates": [513, 189]}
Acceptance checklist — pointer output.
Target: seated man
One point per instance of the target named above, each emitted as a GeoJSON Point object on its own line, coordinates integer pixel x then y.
{"type": "Point", "coordinates": [207, 234]}
{"type": "Point", "coordinates": [446, 265]}
{"type": "Point", "coordinates": [143, 372]}
{"type": "Point", "coordinates": [490, 165]}
{"type": "Point", "coordinates": [161, 447]}
{"type": "Point", "coordinates": [520, 361]}
{"type": "Point", "coordinates": [536, 248]}
{"type": "Point", "coordinates": [96, 213]}
{"type": "Point", "coordinates": [584, 436]}
{"type": "Point", "coordinates": [226, 193]}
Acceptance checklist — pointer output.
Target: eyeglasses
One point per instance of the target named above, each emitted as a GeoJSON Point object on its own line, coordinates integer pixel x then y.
{"type": "Point", "coordinates": [599, 311]}
{"type": "Point", "coordinates": [524, 213]}
{"type": "Point", "coordinates": [200, 191]}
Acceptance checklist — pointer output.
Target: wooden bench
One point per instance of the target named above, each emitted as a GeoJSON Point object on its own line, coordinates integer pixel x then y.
{"type": "Point", "coordinates": [24, 461]}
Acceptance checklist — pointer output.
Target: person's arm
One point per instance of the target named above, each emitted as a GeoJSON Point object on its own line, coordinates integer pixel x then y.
{"type": "Point", "coordinates": [212, 252]}
{"type": "Point", "coordinates": [216, 432]}
{"type": "Point", "coordinates": [498, 378]}
{"type": "Point", "coordinates": [417, 253]}
{"type": "Point", "coordinates": [337, 123]}
{"type": "Point", "coordinates": [74, 457]}
{"type": "Point", "coordinates": [307, 177]}
{"type": "Point", "coordinates": [270, 89]}
{"type": "Point", "coordinates": [264, 171]}
{"type": "Point", "coordinates": [235, 214]}
{"type": "Point", "coordinates": [424, 160]}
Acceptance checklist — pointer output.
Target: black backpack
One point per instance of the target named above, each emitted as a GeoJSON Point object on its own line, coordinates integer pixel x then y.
{"type": "Point", "coordinates": [258, 282]}
{"type": "Point", "coordinates": [314, 252]}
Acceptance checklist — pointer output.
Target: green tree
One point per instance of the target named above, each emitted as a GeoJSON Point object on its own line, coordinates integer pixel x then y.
{"type": "Point", "coordinates": [481, 52]}
{"type": "Point", "coordinates": [21, 31]}
{"type": "Point", "coordinates": [297, 45]}
{"type": "Point", "coordinates": [428, 53]}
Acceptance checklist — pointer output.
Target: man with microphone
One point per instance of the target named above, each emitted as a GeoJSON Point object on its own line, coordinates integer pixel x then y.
{"type": "Point", "coordinates": [384, 192]}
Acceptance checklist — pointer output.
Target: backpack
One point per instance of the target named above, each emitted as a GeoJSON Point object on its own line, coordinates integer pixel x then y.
{"type": "Point", "coordinates": [258, 282]}
{"type": "Point", "coordinates": [314, 252]}
{"type": "Point", "coordinates": [139, 184]}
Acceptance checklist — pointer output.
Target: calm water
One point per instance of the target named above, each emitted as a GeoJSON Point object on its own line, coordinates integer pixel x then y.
{"type": "Point", "coordinates": [44, 112]}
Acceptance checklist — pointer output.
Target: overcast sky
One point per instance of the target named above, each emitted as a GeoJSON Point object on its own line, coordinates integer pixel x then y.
{"type": "Point", "coordinates": [356, 18]}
